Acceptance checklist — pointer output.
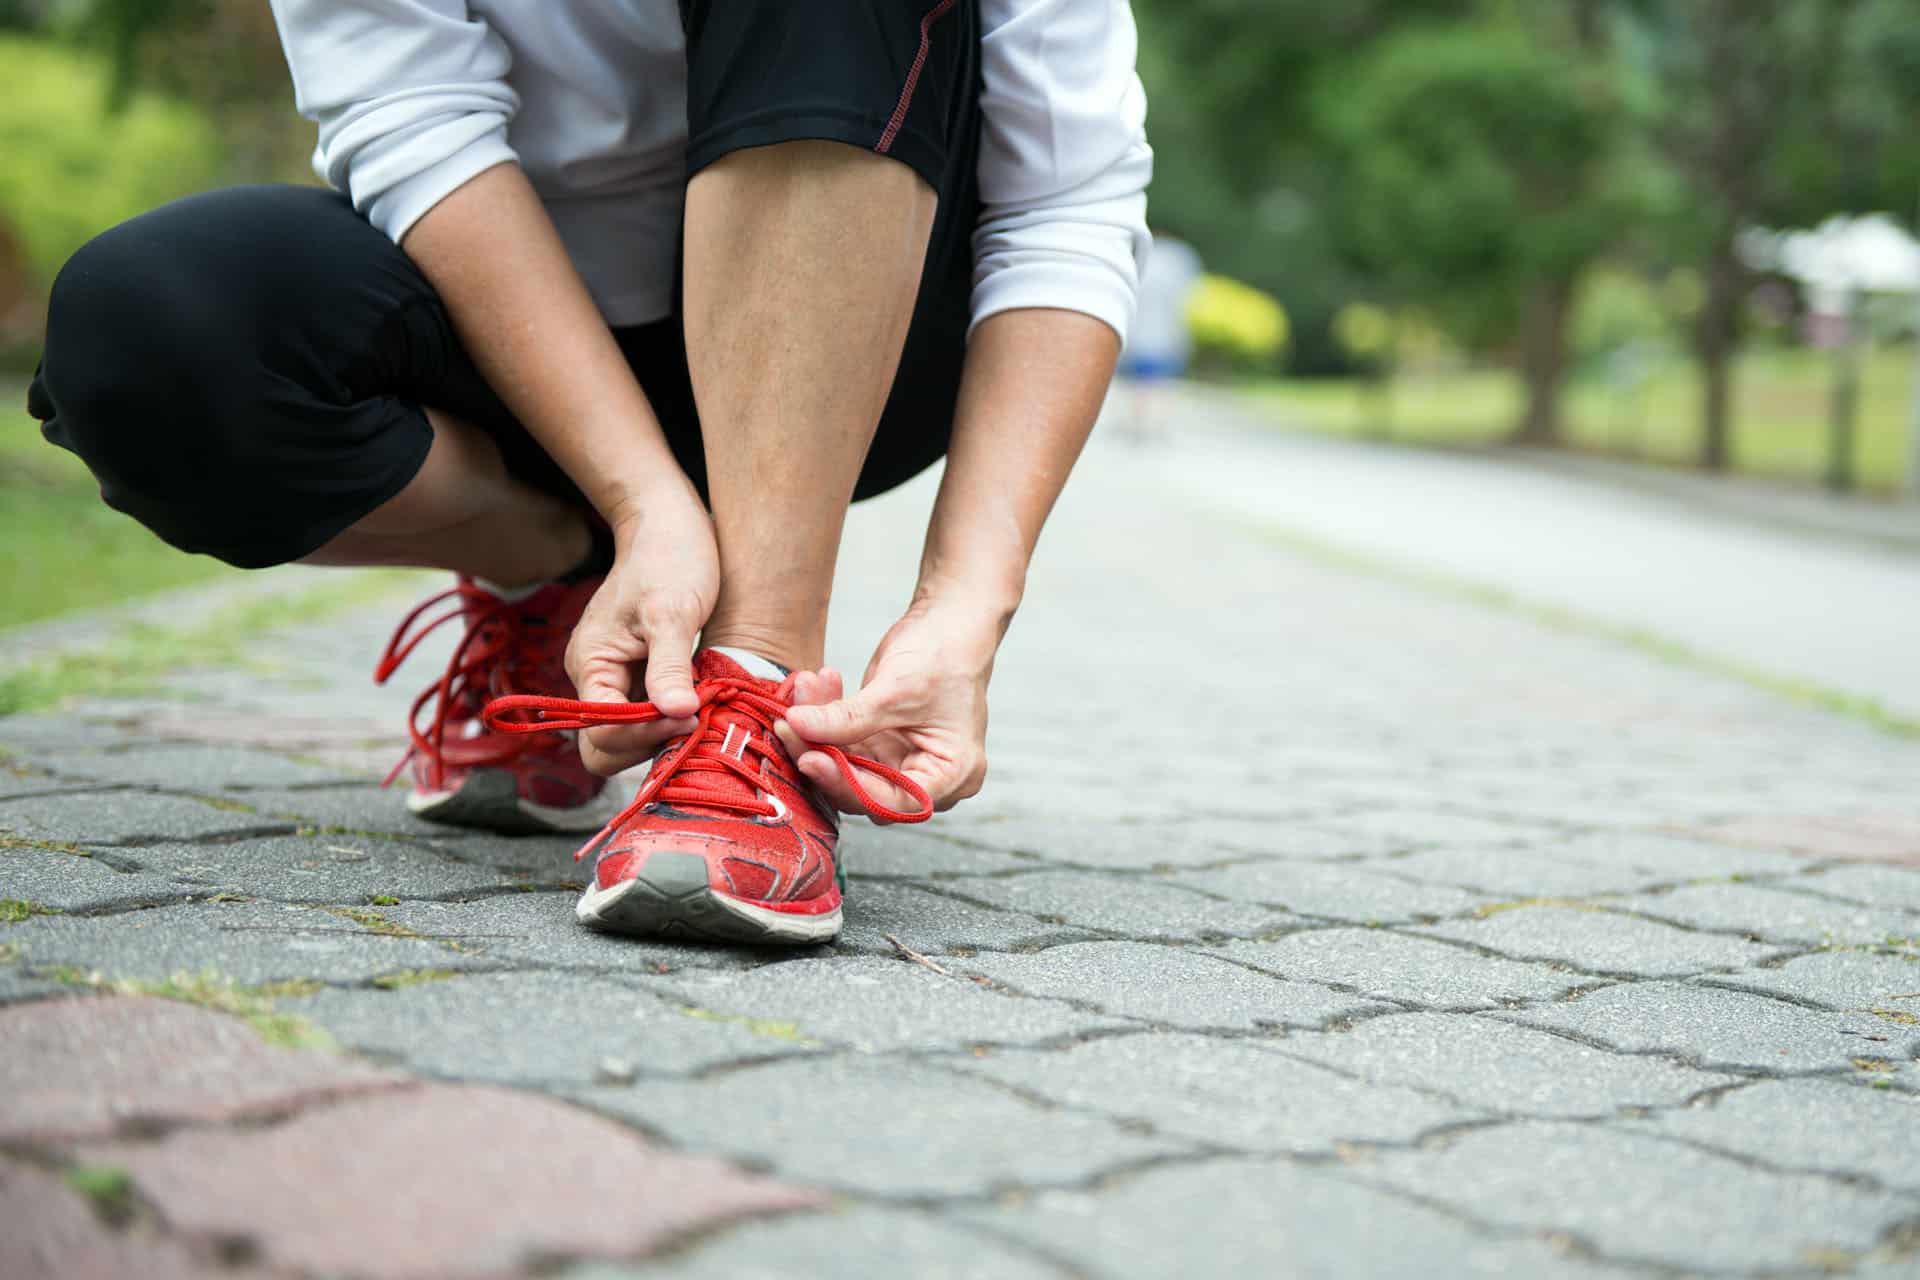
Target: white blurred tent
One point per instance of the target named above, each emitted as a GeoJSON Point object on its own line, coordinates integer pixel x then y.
{"type": "Point", "coordinates": [1839, 262]}
{"type": "Point", "coordinates": [1841, 256]}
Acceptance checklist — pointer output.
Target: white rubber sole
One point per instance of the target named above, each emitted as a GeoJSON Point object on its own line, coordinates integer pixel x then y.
{"type": "Point", "coordinates": [671, 898]}
{"type": "Point", "coordinates": [490, 799]}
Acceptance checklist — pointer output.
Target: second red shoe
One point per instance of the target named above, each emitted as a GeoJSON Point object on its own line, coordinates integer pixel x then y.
{"type": "Point", "coordinates": [464, 775]}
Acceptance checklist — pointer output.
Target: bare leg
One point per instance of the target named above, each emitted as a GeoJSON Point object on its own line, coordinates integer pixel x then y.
{"type": "Point", "coordinates": [802, 264]}
{"type": "Point", "coordinates": [463, 511]}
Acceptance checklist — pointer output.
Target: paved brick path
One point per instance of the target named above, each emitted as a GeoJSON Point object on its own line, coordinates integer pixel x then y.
{"type": "Point", "coordinates": [1310, 925]}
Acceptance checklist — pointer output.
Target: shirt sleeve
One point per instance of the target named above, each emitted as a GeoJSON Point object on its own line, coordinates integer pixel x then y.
{"type": "Point", "coordinates": [410, 95]}
{"type": "Point", "coordinates": [1064, 160]}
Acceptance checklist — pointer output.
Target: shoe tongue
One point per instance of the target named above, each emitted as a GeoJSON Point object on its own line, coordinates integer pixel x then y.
{"type": "Point", "coordinates": [724, 662]}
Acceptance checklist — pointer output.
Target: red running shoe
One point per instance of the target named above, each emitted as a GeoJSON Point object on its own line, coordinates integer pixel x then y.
{"type": "Point", "coordinates": [466, 776]}
{"type": "Point", "coordinates": [726, 840]}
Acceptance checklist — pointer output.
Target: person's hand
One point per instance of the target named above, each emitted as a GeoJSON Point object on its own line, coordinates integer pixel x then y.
{"type": "Point", "coordinates": [922, 709]}
{"type": "Point", "coordinates": [659, 593]}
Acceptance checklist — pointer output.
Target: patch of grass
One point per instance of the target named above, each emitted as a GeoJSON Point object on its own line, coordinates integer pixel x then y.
{"type": "Point", "coordinates": [770, 1028]}
{"type": "Point", "coordinates": [384, 900]}
{"type": "Point", "coordinates": [133, 661]}
{"type": "Point", "coordinates": [222, 994]}
{"type": "Point", "coordinates": [108, 1187]}
{"type": "Point", "coordinates": [1780, 413]}
{"type": "Point", "coordinates": [1878, 1066]}
{"type": "Point", "coordinates": [372, 922]}
{"type": "Point", "coordinates": [1653, 644]}
{"type": "Point", "coordinates": [8, 840]}
{"type": "Point", "coordinates": [1520, 904]}
{"type": "Point", "coordinates": [14, 910]}
{"type": "Point", "coordinates": [405, 978]}
{"type": "Point", "coordinates": [1899, 1017]}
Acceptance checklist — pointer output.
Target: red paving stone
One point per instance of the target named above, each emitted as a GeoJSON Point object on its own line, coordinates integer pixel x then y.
{"type": "Point", "coordinates": [442, 1180]}
{"type": "Point", "coordinates": [47, 1232]}
{"type": "Point", "coordinates": [1873, 837]}
{"type": "Point", "coordinates": [90, 1067]}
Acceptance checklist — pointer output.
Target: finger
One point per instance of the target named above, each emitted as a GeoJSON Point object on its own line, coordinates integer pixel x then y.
{"type": "Point", "coordinates": [603, 680]}
{"type": "Point", "coordinates": [825, 774]}
{"type": "Point", "coordinates": [669, 676]}
{"type": "Point", "coordinates": [845, 721]}
{"type": "Point", "coordinates": [608, 749]}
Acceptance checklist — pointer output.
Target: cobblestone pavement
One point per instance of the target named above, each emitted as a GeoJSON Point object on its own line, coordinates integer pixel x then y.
{"type": "Point", "coordinates": [1309, 925]}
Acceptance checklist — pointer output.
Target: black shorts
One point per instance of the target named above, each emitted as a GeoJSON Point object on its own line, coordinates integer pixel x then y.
{"type": "Point", "coordinates": [245, 371]}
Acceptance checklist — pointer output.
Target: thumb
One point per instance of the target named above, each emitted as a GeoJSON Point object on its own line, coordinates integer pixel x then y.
{"type": "Point", "coordinates": [669, 677]}
{"type": "Point", "coordinates": [841, 723]}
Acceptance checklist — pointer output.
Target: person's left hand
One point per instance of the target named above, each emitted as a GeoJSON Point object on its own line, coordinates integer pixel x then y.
{"type": "Point", "coordinates": [922, 709]}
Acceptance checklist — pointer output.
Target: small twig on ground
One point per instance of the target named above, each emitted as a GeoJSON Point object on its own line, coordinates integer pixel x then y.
{"type": "Point", "coordinates": [924, 962]}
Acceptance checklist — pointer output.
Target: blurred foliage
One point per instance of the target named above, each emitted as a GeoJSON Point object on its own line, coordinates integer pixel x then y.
{"type": "Point", "coordinates": [1487, 161]}
{"type": "Point", "coordinates": [68, 172]}
{"type": "Point", "coordinates": [1234, 325]}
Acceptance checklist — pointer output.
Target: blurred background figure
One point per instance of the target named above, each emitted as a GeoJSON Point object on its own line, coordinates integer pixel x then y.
{"type": "Point", "coordinates": [1160, 344]}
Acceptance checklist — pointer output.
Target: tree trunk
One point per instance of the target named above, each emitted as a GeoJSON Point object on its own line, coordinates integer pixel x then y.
{"type": "Point", "coordinates": [1543, 361]}
{"type": "Point", "coordinates": [1713, 342]}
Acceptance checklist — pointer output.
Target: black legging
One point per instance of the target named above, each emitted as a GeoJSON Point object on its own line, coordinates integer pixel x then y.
{"type": "Point", "coordinates": [245, 371]}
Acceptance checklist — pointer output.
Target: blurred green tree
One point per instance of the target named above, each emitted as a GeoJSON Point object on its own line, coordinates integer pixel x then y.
{"type": "Point", "coordinates": [1472, 166]}
{"type": "Point", "coordinates": [1770, 112]}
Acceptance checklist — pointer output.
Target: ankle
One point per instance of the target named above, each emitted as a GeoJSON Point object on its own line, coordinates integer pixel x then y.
{"type": "Point", "coordinates": [786, 646]}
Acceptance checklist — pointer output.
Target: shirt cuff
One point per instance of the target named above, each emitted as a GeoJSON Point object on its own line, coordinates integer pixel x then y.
{"type": "Point", "coordinates": [1063, 284]}
{"type": "Point", "coordinates": [397, 208]}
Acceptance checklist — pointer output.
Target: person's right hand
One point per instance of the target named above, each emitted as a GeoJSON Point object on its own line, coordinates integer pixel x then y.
{"type": "Point", "coordinates": [644, 618]}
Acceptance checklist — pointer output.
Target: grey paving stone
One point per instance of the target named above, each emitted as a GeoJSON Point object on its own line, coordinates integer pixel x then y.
{"type": "Point", "coordinates": [904, 853]}
{"type": "Point", "coordinates": [1235, 1217]}
{"type": "Point", "coordinates": [31, 735]}
{"type": "Point", "coordinates": [878, 1005]}
{"type": "Point", "coordinates": [123, 818]}
{"type": "Point", "coordinates": [1832, 1126]}
{"type": "Point", "coordinates": [1395, 966]}
{"type": "Point", "coordinates": [1333, 891]}
{"type": "Point", "coordinates": [1175, 986]}
{"type": "Point", "coordinates": [1533, 871]}
{"type": "Point", "coordinates": [1417, 828]}
{"type": "Point", "coordinates": [1632, 1196]}
{"type": "Point", "coordinates": [75, 883]}
{"type": "Point", "coordinates": [1185, 842]}
{"type": "Point", "coordinates": [1780, 918]}
{"type": "Point", "coordinates": [860, 1243]}
{"type": "Point", "coordinates": [366, 807]}
{"type": "Point", "coordinates": [894, 1128]}
{"type": "Point", "coordinates": [538, 1029]}
{"type": "Point", "coordinates": [1140, 907]}
{"type": "Point", "coordinates": [1601, 941]}
{"type": "Point", "coordinates": [317, 868]}
{"type": "Point", "coordinates": [1886, 887]}
{"type": "Point", "coordinates": [1235, 1094]}
{"type": "Point", "coordinates": [1713, 1027]}
{"type": "Point", "coordinates": [937, 924]}
{"type": "Point", "coordinates": [248, 942]}
{"type": "Point", "coordinates": [1838, 980]}
{"type": "Point", "coordinates": [1672, 857]}
{"type": "Point", "coordinates": [16, 986]}
{"type": "Point", "coordinates": [1500, 1067]}
{"type": "Point", "coordinates": [185, 766]}
{"type": "Point", "coordinates": [539, 930]}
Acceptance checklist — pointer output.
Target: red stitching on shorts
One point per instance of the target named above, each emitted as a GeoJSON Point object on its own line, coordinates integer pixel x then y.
{"type": "Point", "coordinates": [913, 78]}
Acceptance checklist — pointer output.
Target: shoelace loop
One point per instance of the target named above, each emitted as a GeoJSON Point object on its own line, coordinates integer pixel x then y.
{"type": "Point", "coordinates": [702, 751]}
{"type": "Point", "coordinates": [493, 635]}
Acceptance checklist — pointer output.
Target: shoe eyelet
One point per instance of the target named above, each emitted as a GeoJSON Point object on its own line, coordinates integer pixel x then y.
{"type": "Point", "coordinates": [780, 811]}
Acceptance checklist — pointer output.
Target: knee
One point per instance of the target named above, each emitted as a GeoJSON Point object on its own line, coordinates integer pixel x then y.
{"type": "Point", "coordinates": [123, 366]}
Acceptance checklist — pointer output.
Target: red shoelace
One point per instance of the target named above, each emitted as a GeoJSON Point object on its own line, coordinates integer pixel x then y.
{"type": "Point", "coordinates": [492, 640]}
{"type": "Point", "coordinates": [675, 775]}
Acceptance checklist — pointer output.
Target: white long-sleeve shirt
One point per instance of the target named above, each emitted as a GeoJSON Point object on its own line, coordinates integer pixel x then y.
{"type": "Point", "coordinates": [416, 97]}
